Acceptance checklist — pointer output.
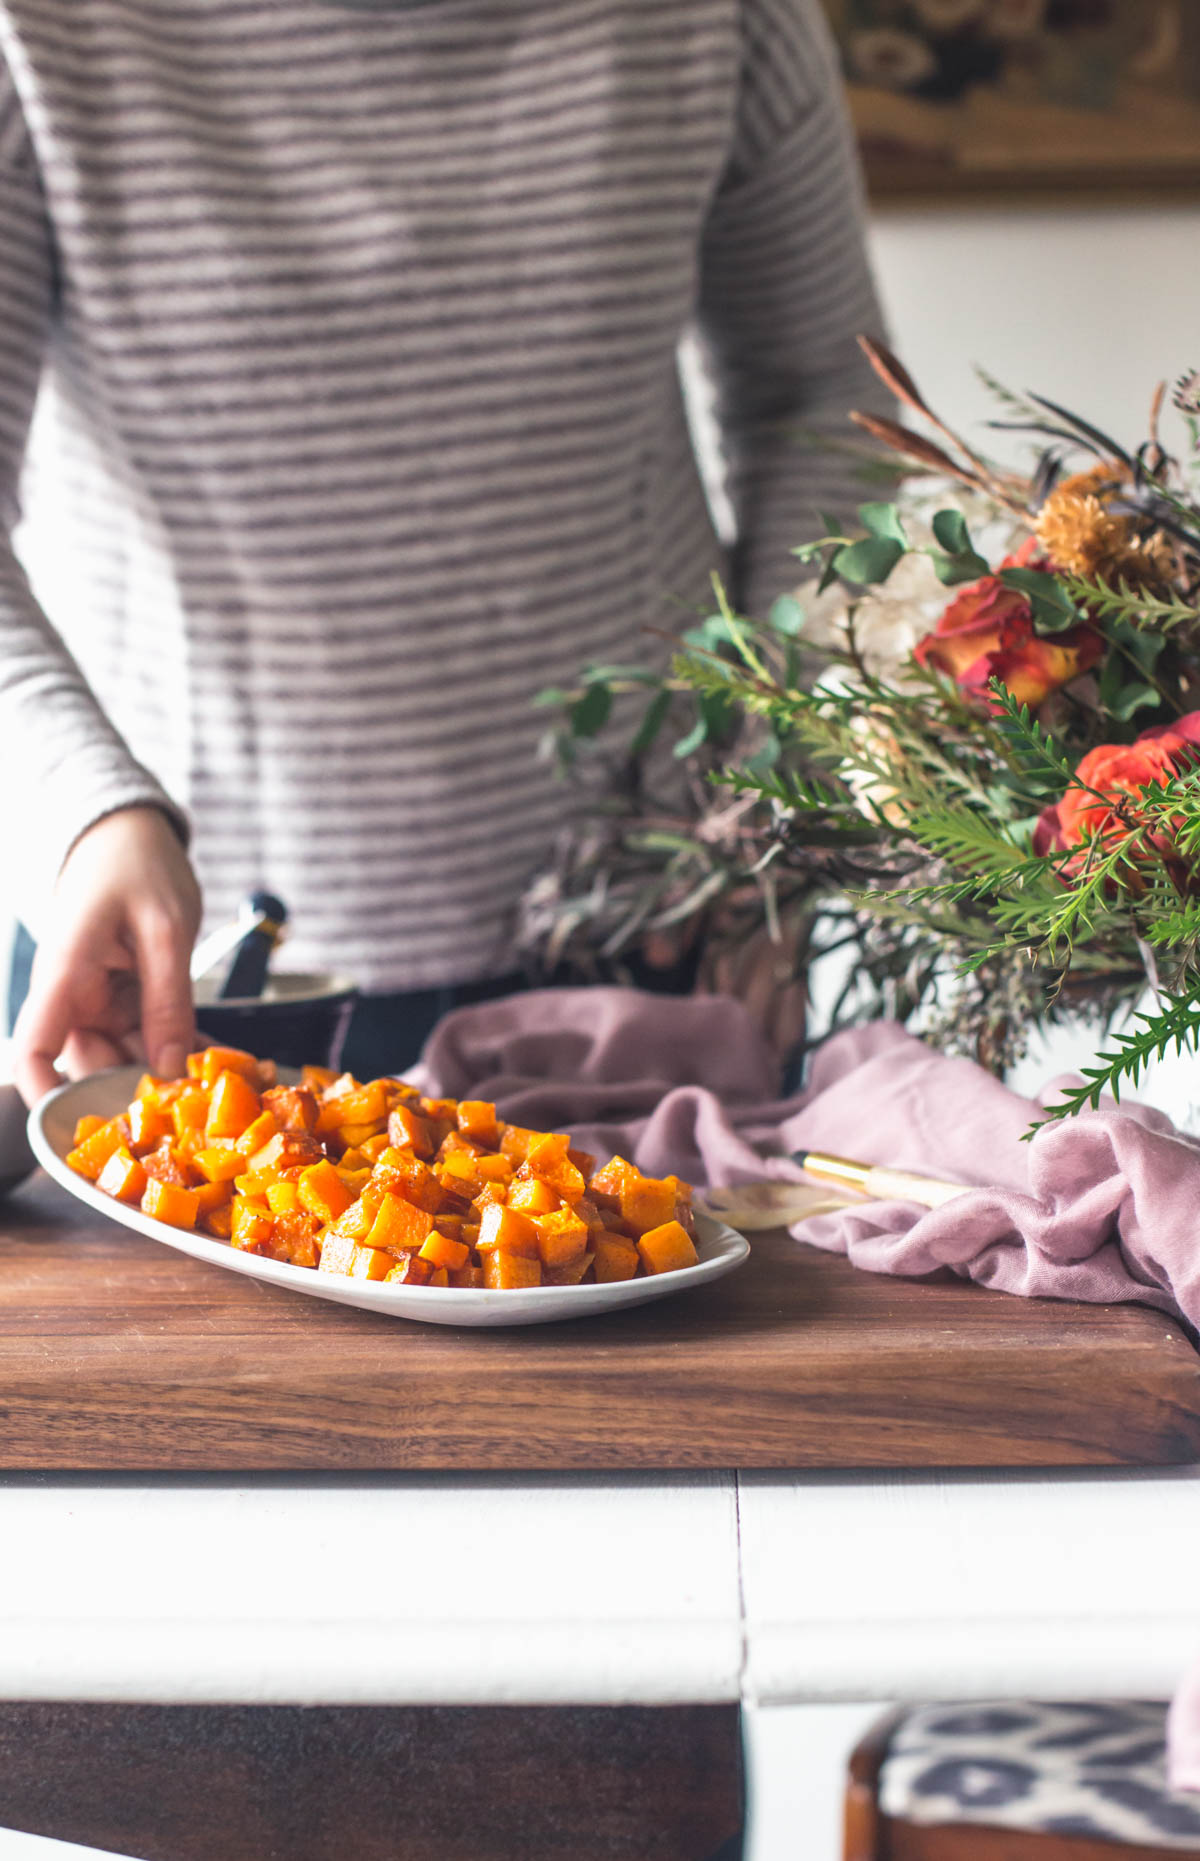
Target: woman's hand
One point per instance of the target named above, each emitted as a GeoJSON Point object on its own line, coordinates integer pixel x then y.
{"type": "Point", "coordinates": [110, 979]}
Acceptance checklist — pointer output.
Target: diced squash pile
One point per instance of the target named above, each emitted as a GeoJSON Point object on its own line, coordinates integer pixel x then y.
{"type": "Point", "coordinates": [377, 1182]}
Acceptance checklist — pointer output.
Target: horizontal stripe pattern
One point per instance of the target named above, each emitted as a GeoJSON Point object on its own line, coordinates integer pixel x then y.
{"type": "Point", "coordinates": [362, 418]}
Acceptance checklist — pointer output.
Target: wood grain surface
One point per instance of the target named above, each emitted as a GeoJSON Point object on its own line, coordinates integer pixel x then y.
{"type": "Point", "coordinates": [328, 1783]}
{"type": "Point", "coordinates": [117, 1353]}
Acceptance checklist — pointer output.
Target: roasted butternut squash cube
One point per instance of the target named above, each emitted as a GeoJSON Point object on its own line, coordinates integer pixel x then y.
{"type": "Point", "coordinates": [297, 1239]}
{"type": "Point", "coordinates": [87, 1126]}
{"type": "Point", "coordinates": [454, 1140]}
{"type": "Point", "coordinates": [588, 1212]}
{"type": "Point", "coordinates": [561, 1237]}
{"type": "Point", "coordinates": [339, 1254]}
{"type": "Point", "coordinates": [167, 1164]}
{"type": "Point", "coordinates": [531, 1196]}
{"type": "Point", "coordinates": [233, 1107]}
{"type": "Point", "coordinates": [88, 1158]}
{"type": "Point", "coordinates": [256, 1135]}
{"type": "Point", "coordinates": [283, 1197]}
{"type": "Point", "coordinates": [402, 1173]}
{"type": "Point", "coordinates": [515, 1140]}
{"type": "Point", "coordinates": [217, 1221]}
{"type": "Point", "coordinates": [477, 1118]}
{"type": "Point", "coordinates": [611, 1180]}
{"type": "Point", "coordinates": [167, 1202]}
{"type": "Point", "coordinates": [441, 1251]}
{"type": "Point", "coordinates": [287, 1150]}
{"type": "Point", "coordinates": [355, 1105]}
{"type": "Point", "coordinates": [123, 1177]}
{"type": "Point", "coordinates": [616, 1258]}
{"type": "Point", "coordinates": [217, 1060]}
{"type": "Point", "coordinates": [505, 1230]}
{"type": "Point", "coordinates": [667, 1248]}
{"type": "Point", "coordinates": [503, 1271]}
{"type": "Point", "coordinates": [410, 1271]}
{"type": "Point", "coordinates": [547, 1158]}
{"type": "Point", "coordinates": [161, 1092]}
{"type": "Point", "coordinates": [456, 1174]}
{"type": "Point", "coordinates": [190, 1111]}
{"type": "Point", "coordinates": [357, 1221]}
{"type": "Point", "coordinates": [469, 1277]}
{"type": "Point", "coordinates": [317, 1078]}
{"type": "Point", "coordinates": [220, 1164]}
{"type": "Point", "coordinates": [294, 1108]}
{"type": "Point", "coordinates": [407, 1129]}
{"type": "Point", "coordinates": [351, 1136]}
{"type": "Point", "coordinates": [149, 1123]}
{"type": "Point", "coordinates": [647, 1203]}
{"type": "Point", "coordinates": [572, 1273]}
{"type": "Point", "coordinates": [400, 1225]}
{"type": "Point", "coordinates": [322, 1191]}
{"type": "Point", "coordinates": [252, 1223]}
{"type": "Point", "coordinates": [583, 1160]}
{"type": "Point", "coordinates": [443, 1111]}
{"type": "Point", "coordinates": [212, 1195]}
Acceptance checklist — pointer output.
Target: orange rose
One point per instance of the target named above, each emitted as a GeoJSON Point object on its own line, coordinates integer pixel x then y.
{"type": "Point", "coordinates": [1111, 779]}
{"type": "Point", "coordinates": [987, 632]}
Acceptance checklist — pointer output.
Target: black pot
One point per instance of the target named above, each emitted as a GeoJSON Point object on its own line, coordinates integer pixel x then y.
{"type": "Point", "coordinates": [298, 1020]}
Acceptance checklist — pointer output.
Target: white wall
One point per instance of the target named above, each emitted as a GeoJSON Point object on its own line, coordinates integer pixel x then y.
{"type": "Point", "coordinates": [1090, 305]}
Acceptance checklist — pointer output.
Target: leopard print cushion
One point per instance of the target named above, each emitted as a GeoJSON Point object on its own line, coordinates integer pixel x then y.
{"type": "Point", "coordinates": [1097, 1770]}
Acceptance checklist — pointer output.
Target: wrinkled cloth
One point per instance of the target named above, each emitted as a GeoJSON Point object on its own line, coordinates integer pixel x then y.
{"type": "Point", "coordinates": [1100, 1207]}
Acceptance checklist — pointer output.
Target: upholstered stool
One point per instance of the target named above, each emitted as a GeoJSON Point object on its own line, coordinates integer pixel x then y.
{"type": "Point", "coordinates": [1006, 1780]}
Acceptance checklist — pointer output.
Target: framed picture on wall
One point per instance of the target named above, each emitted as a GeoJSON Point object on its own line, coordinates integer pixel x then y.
{"type": "Point", "coordinates": [954, 97]}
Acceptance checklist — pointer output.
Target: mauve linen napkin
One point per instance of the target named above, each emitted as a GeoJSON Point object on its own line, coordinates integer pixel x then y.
{"type": "Point", "coordinates": [1101, 1207]}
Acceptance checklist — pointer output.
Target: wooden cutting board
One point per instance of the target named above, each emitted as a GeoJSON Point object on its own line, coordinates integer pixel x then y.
{"type": "Point", "coordinates": [118, 1353]}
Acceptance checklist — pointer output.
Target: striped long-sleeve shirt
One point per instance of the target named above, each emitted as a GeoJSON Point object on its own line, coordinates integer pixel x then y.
{"type": "Point", "coordinates": [359, 330]}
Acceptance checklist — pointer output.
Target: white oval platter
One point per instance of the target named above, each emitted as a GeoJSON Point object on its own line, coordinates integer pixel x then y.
{"type": "Point", "coordinates": [51, 1129]}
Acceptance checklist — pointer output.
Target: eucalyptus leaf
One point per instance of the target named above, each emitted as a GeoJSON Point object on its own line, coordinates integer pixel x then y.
{"type": "Point", "coordinates": [714, 631]}
{"type": "Point", "coordinates": [786, 615]}
{"type": "Point", "coordinates": [1053, 609]}
{"type": "Point", "coordinates": [950, 529]}
{"type": "Point", "coordinates": [883, 521]}
{"type": "Point", "coordinates": [719, 711]}
{"type": "Point", "coordinates": [1131, 699]}
{"type": "Point", "coordinates": [1141, 645]}
{"type": "Point", "coordinates": [953, 570]}
{"type": "Point", "coordinates": [696, 737]}
{"type": "Point", "coordinates": [869, 561]}
{"type": "Point", "coordinates": [590, 713]}
{"type": "Point", "coordinates": [653, 718]}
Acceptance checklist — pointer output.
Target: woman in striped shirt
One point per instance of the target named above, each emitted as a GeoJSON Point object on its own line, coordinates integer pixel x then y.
{"type": "Point", "coordinates": [358, 325]}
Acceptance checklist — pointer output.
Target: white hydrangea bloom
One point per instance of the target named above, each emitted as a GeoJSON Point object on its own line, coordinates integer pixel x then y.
{"type": "Point", "coordinates": [888, 621]}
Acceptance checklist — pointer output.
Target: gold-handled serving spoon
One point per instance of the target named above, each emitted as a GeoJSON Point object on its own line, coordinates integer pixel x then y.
{"type": "Point", "coordinates": [751, 1206]}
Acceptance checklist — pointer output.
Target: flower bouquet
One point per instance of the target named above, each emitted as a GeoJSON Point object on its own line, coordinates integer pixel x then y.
{"type": "Point", "coordinates": [968, 750]}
